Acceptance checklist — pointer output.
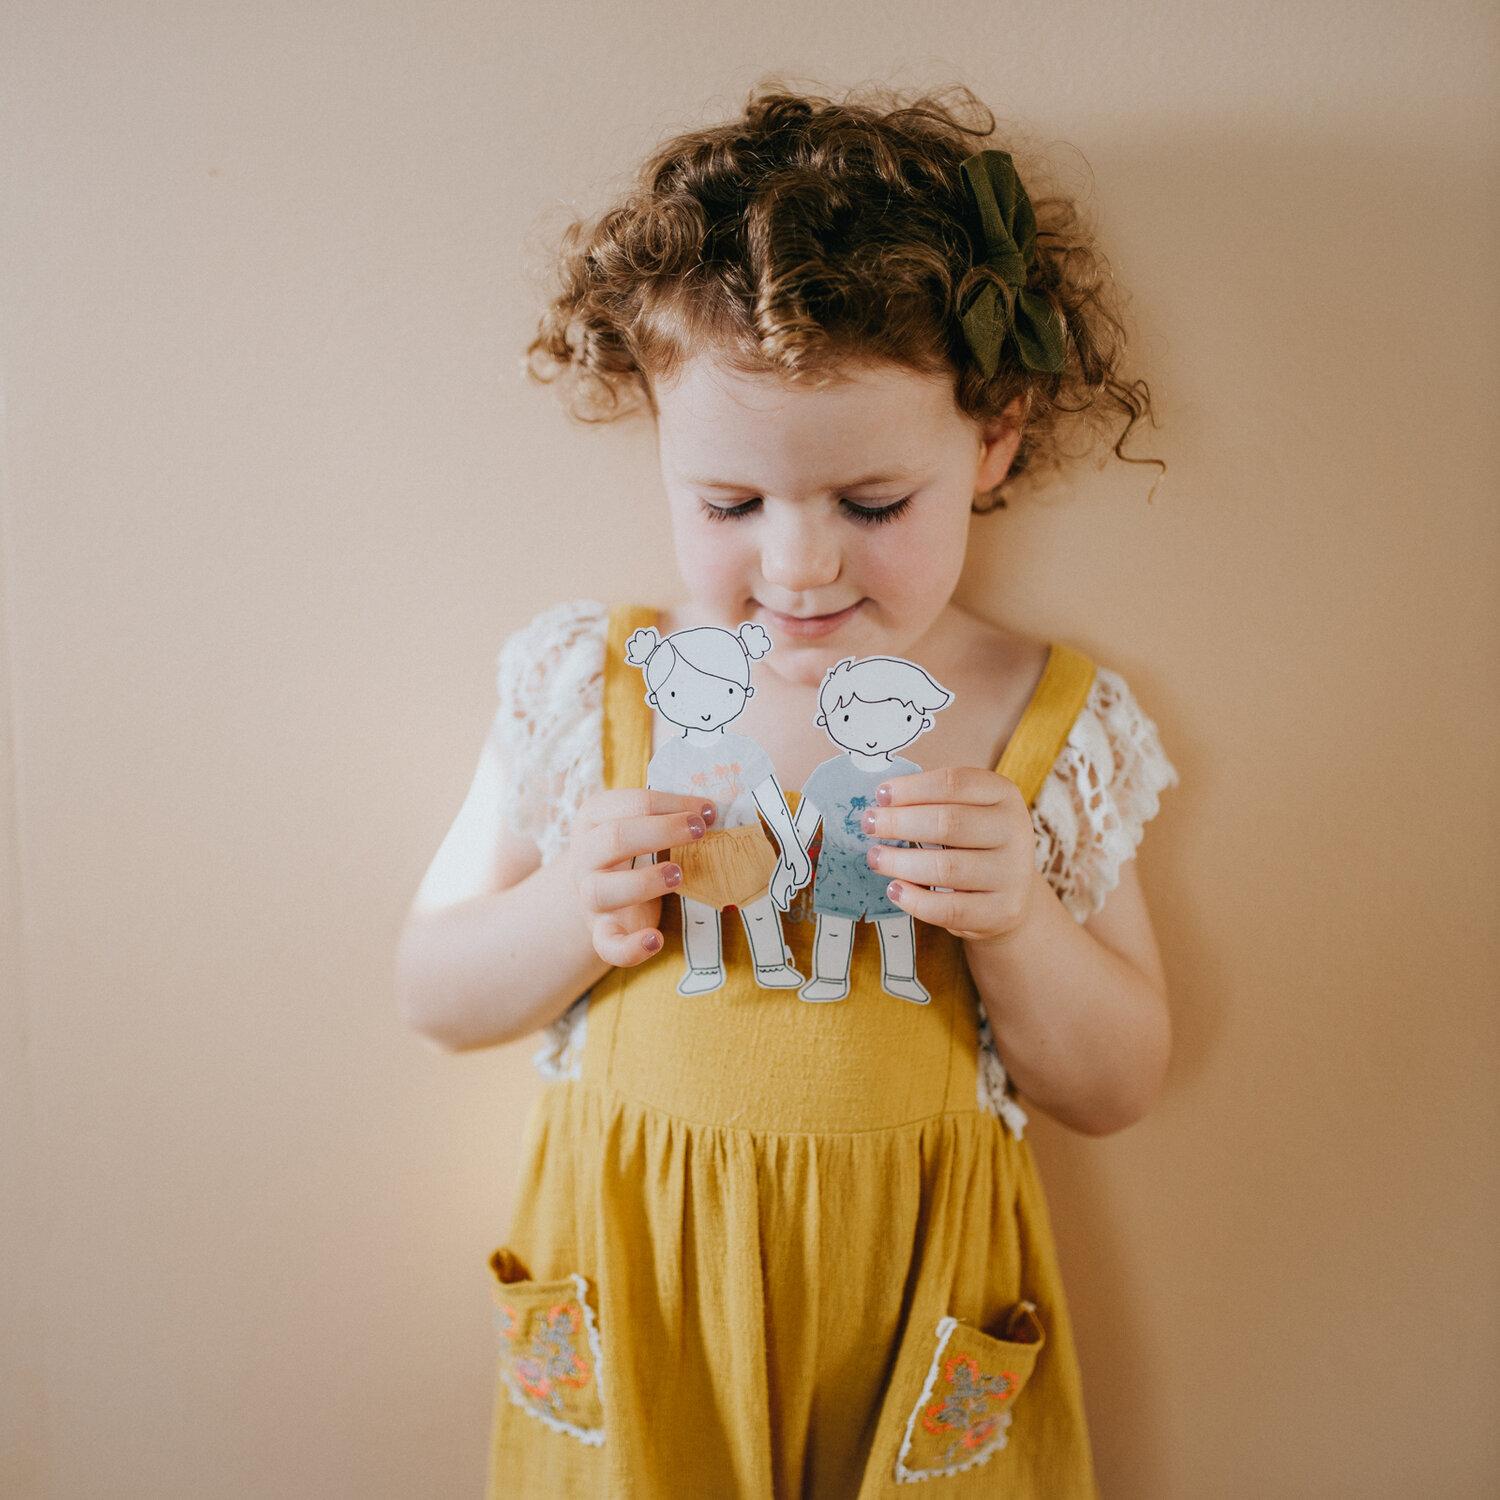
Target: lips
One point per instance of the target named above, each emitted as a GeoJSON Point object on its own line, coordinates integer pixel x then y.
{"type": "Point", "coordinates": [808, 627]}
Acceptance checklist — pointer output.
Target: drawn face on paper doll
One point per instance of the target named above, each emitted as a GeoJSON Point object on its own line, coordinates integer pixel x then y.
{"type": "Point", "coordinates": [878, 705]}
{"type": "Point", "coordinates": [698, 679]}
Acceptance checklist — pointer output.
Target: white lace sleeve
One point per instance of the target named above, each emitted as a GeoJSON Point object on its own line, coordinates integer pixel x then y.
{"type": "Point", "coordinates": [550, 683]}
{"type": "Point", "coordinates": [1102, 790]}
{"type": "Point", "coordinates": [1089, 817]}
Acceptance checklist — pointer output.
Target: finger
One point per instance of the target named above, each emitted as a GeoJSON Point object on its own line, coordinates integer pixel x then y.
{"type": "Point", "coordinates": [639, 802]}
{"type": "Point", "coordinates": [623, 838]}
{"type": "Point", "coordinates": [964, 911]}
{"type": "Point", "coordinates": [612, 890]}
{"type": "Point", "coordinates": [967, 784]}
{"type": "Point", "coordinates": [957, 869]}
{"type": "Point", "coordinates": [956, 824]}
{"type": "Point", "coordinates": [624, 949]}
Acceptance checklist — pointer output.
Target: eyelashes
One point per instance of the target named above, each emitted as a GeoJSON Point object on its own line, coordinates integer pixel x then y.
{"type": "Point", "coordinates": [865, 515]}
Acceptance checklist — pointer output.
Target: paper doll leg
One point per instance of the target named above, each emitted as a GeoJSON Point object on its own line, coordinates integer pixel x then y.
{"type": "Point", "coordinates": [833, 945]}
{"type": "Point", "coordinates": [898, 961]}
{"type": "Point", "coordinates": [702, 939]}
{"type": "Point", "coordinates": [773, 964]}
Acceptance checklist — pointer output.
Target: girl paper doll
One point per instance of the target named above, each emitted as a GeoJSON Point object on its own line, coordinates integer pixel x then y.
{"type": "Point", "coordinates": [699, 681]}
{"type": "Point", "coordinates": [870, 708]}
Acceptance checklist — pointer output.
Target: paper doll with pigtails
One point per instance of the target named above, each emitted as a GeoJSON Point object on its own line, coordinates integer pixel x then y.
{"type": "Point", "coordinates": [870, 708]}
{"type": "Point", "coordinates": [698, 680]}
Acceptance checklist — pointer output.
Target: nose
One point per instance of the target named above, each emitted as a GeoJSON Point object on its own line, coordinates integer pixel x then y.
{"type": "Point", "coordinates": [800, 549]}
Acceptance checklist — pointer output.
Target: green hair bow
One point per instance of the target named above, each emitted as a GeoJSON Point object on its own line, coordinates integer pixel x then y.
{"type": "Point", "coordinates": [1032, 323]}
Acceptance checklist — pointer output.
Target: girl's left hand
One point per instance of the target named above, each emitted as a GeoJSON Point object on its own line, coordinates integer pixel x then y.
{"type": "Point", "coordinates": [988, 858]}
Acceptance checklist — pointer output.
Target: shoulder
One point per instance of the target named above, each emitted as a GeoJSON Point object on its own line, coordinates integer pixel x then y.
{"type": "Point", "coordinates": [825, 773]}
{"type": "Point", "coordinates": [1104, 787]}
{"type": "Point", "coordinates": [567, 637]}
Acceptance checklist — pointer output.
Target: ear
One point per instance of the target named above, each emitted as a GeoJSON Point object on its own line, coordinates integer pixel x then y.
{"type": "Point", "coordinates": [749, 692]}
{"type": "Point", "coordinates": [998, 441]}
{"type": "Point", "coordinates": [926, 723]}
{"type": "Point", "coordinates": [651, 699]}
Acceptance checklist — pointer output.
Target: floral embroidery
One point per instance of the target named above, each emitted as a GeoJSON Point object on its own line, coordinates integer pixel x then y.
{"type": "Point", "coordinates": [552, 1358]}
{"type": "Point", "coordinates": [551, 1363]}
{"type": "Point", "coordinates": [969, 1407]}
{"type": "Point", "coordinates": [962, 1416]}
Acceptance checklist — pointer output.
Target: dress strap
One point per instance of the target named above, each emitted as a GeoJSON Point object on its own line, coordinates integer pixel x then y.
{"type": "Point", "coordinates": [627, 717]}
{"type": "Point", "coordinates": [1047, 719]}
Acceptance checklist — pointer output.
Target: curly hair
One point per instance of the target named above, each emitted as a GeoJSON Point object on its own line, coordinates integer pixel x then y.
{"type": "Point", "coordinates": [810, 233]}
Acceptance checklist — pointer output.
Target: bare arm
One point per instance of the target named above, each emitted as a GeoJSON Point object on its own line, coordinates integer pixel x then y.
{"type": "Point", "coordinates": [1079, 1012]}
{"type": "Point", "coordinates": [496, 944]}
{"type": "Point", "coordinates": [492, 947]}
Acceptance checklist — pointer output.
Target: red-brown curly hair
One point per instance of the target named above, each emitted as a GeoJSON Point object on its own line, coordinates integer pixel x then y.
{"type": "Point", "coordinates": [809, 233]}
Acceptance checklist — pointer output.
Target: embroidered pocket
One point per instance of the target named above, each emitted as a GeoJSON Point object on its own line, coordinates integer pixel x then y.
{"type": "Point", "coordinates": [963, 1413]}
{"type": "Point", "coordinates": [550, 1360]}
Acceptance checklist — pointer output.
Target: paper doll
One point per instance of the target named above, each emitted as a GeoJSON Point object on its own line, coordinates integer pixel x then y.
{"type": "Point", "coordinates": [870, 709]}
{"type": "Point", "coordinates": [699, 681]}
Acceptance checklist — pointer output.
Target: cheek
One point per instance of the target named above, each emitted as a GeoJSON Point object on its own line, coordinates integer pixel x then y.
{"type": "Point", "coordinates": [712, 565]}
{"type": "Point", "coordinates": [919, 566]}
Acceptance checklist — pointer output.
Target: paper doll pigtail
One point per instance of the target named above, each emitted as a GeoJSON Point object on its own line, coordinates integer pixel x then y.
{"type": "Point", "coordinates": [641, 647]}
{"type": "Point", "coordinates": [754, 641]}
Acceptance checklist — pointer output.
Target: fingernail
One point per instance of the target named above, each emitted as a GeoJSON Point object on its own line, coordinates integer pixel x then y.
{"type": "Point", "coordinates": [672, 874]}
{"type": "Point", "coordinates": [873, 855]}
{"type": "Point", "coordinates": [708, 812]}
{"type": "Point", "coordinates": [883, 795]}
{"type": "Point", "coordinates": [893, 890]}
{"type": "Point", "coordinates": [868, 822]}
{"type": "Point", "coordinates": [651, 942]}
{"type": "Point", "coordinates": [697, 827]}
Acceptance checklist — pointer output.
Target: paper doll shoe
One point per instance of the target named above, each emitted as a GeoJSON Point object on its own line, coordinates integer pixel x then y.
{"type": "Point", "coordinates": [778, 977]}
{"type": "Point", "coordinates": [700, 981]}
{"type": "Point", "coordinates": [825, 989]}
{"type": "Point", "coordinates": [905, 989]}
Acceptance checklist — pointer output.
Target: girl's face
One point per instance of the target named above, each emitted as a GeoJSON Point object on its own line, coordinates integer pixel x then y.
{"type": "Point", "coordinates": [836, 518]}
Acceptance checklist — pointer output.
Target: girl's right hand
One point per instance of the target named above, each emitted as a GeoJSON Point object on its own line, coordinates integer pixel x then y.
{"type": "Point", "coordinates": [621, 904]}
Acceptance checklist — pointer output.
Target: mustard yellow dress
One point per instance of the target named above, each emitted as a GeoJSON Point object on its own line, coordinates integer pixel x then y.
{"type": "Point", "coordinates": [770, 1250]}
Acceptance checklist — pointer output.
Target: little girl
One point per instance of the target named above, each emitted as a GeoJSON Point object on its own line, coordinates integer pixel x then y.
{"type": "Point", "coordinates": [769, 1249]}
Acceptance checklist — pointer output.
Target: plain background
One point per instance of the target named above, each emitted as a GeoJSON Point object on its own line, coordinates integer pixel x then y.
{"type": "Point", "coordinates": [274, 491]}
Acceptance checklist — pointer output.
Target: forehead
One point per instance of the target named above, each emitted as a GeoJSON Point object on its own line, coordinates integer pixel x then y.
{"type": "Point", "coordinates": [719, 424]}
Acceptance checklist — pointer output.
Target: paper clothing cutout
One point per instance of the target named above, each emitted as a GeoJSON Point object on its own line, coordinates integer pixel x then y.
{"type": "Point", "coordinates": [698, 680]}
{"type": "Point", "coordinates": [870, 708]}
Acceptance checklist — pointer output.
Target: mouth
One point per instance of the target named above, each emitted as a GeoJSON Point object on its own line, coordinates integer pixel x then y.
{"type": "Point", "coordinates": [807, 627]}
{"type": "Point", "coordinates": [870, 744]}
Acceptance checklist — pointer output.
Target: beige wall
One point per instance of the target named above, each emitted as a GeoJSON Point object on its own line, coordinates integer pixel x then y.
{"type": "Point", "coordinates": [268, 473]}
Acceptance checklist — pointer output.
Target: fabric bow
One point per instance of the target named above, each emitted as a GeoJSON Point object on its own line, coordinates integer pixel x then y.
{"type": "Point", "coordinates": [996, 312]}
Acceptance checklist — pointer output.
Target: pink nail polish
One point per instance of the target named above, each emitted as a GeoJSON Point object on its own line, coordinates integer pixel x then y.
{"type": "Point", "coordinates": [872, 854]}
{"type": "Point", "coordinates": [708, 812]}
{"type": "Point", "coordinates": [651, 942]}
{"type": "Point", "coordinates": [696, 827]}
{"type": "Point", "coordinates": [672, 874]}
{"type": "Point", "coordinates": [868, 822]}
{"type": "Point", "coordinates": [883, 795]}
{"type": "Point", "coordinates": [893, 890]}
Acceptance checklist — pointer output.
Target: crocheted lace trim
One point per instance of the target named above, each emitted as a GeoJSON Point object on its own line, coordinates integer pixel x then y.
{"type": "Point", "coordinates": [1089, 816]}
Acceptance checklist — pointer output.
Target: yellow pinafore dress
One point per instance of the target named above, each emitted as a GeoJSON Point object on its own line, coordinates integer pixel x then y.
{"type": "Point", "coordinates": [770, 1250]}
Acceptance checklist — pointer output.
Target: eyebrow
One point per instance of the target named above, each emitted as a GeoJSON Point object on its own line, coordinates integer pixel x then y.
{"type": "Point", "coordinates": [894, 477]}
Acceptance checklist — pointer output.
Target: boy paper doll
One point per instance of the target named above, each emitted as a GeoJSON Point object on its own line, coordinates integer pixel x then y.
{"type": "Point", "coordinates": [870, 708]}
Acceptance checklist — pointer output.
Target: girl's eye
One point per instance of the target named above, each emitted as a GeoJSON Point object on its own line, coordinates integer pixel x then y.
{"type": "Point", "coordinates": [869, 515]}
{"type": "Point", "coordinates": [728, 512]}
{"type": "Point", "coordinates": [876, 515]}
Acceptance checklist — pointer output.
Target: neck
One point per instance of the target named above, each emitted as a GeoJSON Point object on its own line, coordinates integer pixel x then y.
{"type": "Point", "coordinates": [870, 762]}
